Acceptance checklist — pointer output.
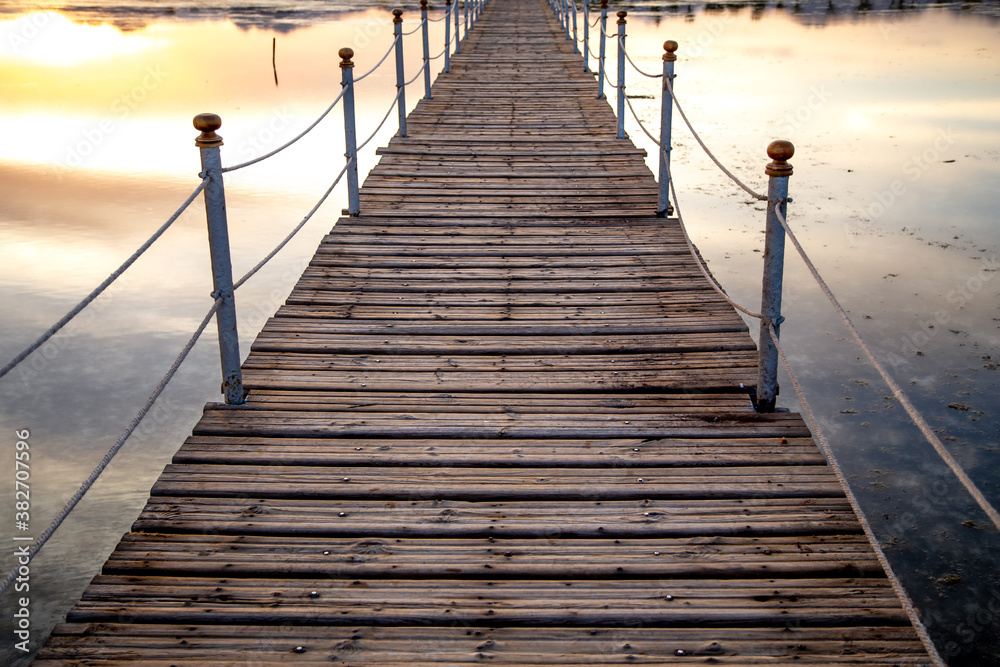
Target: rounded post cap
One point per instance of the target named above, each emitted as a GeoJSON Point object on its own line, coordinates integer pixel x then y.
{"type": "Point", "coordinates": [780, 151]}
{"type": "Point", "coordinates": [604, 4]}
{"type": "Point", "coordinates": [621, 17]}
{"type": "Point", "coordinates": [345, 58]}
{"type": "Point", "coordinates": [397, 16]}
{"type": "Point", "coordinates": [423, 5]}
{"type": "Point", "coordinates": [670, 46]}
{"type": "Point", "coordinates": [207, 124]}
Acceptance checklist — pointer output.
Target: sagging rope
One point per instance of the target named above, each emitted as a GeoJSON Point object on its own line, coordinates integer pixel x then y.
{"type": "Point", "coordinates": [392, 47]}
{"type": "Point", "coordinates": [694, 253]}
{"type": "Point", "coordinates": [65, 319]}
{"type": "Point", "coordinates": [89, 482]}
{"type": "Point", "coordinates": [917, 418]}
{"type": "Point", "coordinates": [636, 67]}
{"type": "Point", "coordinates": [392, 107]}
{"type": "Point", "coordinates": [419, 26]}
{"type": "Point", "coordinates": [277, 249]}
{"type": "Point", "coordinates": [705, 148]}
{"type": "Point", "coordinates": [281, 148]}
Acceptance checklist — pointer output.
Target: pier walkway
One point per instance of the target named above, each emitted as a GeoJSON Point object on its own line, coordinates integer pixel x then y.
{"type": "Point", "coordinates": [501, 419]}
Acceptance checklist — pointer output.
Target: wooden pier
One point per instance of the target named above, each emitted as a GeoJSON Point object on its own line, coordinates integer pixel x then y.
{"type": "Point", "coordinates": [501, 419]}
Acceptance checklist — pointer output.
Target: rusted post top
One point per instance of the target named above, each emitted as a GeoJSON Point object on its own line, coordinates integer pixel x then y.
{"type": "Point", "coordinates": [670, 46]}
{"type": "Point", "coordinates": [604, 4]}
{"type": "Point", "coordinates": [423, 5]}
{"type": "Point", "coordinates": [397, 16]}
{"type": "Point", "coordinates": [447, 2]}
{"type": "Point", "coordinates": [207, 124]}
{"type": "Point", "coordinates": [780, 151]}
{"type": "Point", "coordinates": [621, 17]}
{"type": "Point", "coordinates": [345, 58]}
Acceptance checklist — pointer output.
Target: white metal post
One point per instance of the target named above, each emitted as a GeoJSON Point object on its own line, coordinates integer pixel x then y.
{"type": "Point", "coordinates": [602, 53]}
{"type": "Point", "coordinates": [447, 36]}
{"type": "Point", "coordinates": [209, 143]}
{"type": "Point", "coordinates": [397, 31]}
{"type": "Point", "coordinates": [458, 28]}
{"type": "Point", "coordinates": [576, 44]}
{"type": "Point", "coordinates": [663, 207]}
{"type": "Point", "coordinates": [774, 259]}
{"type": "Point", "coordinates": [621, 73]}
{"type": "Point", "coordinates": [427, 49]}
{"type": "Point", "coordinates": [350, 131]}
{"type": "Point", "coordinates": [586, 35]}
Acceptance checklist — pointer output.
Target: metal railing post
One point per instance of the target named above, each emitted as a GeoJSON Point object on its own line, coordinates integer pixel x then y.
{"type": "Point", "coordinates": [586, 35]}
{"type": "Point", "coordinates": [447, 36]}
{"type": "Point", "coordinates": [774, 259]}
{"type": "Point", "coordinates": [397, 31]}
{"type": "Point", "coordinates": [350, 131]}
{"type": "Point", "coordinates": [663, 207]}
{"type": "Point", "coordinates": [427, 48]}
{"type": "Point", "coordinates": [602, 53]}
{"type": "Point", "coordinates": [621, 73]}
{"type": "Point", "coordinates": [208, 142]}
{"type": "Point", "coordinates": [576, 44]}
{"type": "Point", "coordinates": [466, 3]}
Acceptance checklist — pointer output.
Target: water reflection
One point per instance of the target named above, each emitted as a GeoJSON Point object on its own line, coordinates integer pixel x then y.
{"type": "Point", "coordinates": [98, 153]}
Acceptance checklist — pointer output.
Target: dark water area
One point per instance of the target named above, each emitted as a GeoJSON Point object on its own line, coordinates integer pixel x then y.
{"type": "Point", "coordinates": [892, 107]}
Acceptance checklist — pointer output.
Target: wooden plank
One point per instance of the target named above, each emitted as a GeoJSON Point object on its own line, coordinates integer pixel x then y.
{"type": "Point", "coordinates": [617, 519]}
{"type": "Point", "coordinates": [154, 644]}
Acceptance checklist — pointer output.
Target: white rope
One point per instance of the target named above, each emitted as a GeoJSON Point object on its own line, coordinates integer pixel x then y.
{"type": "Point", "coordinates": [924, 427]}
{"type": "Point", "coordinates": [104, 285]}
{"type": "Point", "coordinates": [718, 164]}
{"type": "Point", "coordinates": [438, 19]}
{"type": "Point", "coordinates": [270, 255]}
{"type": "Point", "coordinates": [278, 150]}
{"type": "Point", "coordinates": [72, 502]}
{"type": "Point", "coordinates": [419, 26]}
{"type": "Point", "coordinates": [642, 125]}
{"type": "Point", "coordinates": [596, 21]}
{"type": "Point", "coordinates": [392, 47]}
{"type": "Point", "coordinates": [832, 461]}
{"type": "Point", "coordinates": [694, 253]}
{"type": "Point", "coordinates": [417, 75]}
{"type": "Point", "coordinates": [447, 46]}
{"type": "Point", "coordinates": [384, 118]}
{"type": "Point", "coordinates": [636, 67]}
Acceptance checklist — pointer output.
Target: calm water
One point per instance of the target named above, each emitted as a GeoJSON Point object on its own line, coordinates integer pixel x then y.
{"type": "Point", "coordinates": [892, 109]}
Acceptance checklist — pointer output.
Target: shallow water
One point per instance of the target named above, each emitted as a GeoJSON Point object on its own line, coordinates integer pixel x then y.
{"type": "Point", "coordinates": [897, 157]}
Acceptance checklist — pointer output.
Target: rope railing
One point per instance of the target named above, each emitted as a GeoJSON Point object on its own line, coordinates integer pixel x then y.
{"type": "Point", "coordinates": [697, 256]}
{"type": "Point", "coordinates": [392, 106]}
{"type": "Point", "coordinates": [304, 132]}
{"type": "Point", "coordinates": [392, 49]}
{"type": "Point", "coordinates": [65, 319]}
{"type": "Point", "coordinates": [267, 258]}
{"type": "Point", "coordinates": [753, 193]}
{"type": "Point", "coordinates": [636, 67]}
{"type": "Point", "coordinates": [419, 27]}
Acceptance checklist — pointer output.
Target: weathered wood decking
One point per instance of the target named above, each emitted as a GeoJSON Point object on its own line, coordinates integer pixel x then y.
{"type": "Point", "coordinates": [501, 419]}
